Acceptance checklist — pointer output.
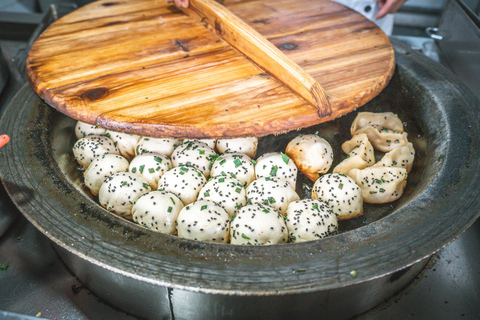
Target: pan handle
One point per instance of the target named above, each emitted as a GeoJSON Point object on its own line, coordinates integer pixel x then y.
{"type": "Point", "coordinates": [253, 45]}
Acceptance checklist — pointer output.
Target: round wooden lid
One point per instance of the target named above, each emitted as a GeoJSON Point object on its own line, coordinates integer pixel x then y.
{"type": "Point", "coordinates": [144, 67]}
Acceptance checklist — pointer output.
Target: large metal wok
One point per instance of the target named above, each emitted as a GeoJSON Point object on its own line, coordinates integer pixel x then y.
{"type": "Point", "coordinates": [160, 276]}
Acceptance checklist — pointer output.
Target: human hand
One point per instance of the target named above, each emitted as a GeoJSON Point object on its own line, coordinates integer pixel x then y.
{"type": "Point", "coordinates": [180, 3]}
{"type": "Point", "coordinates": [388, 6]}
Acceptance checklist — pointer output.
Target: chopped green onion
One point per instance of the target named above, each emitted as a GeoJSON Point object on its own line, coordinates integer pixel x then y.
{"type": "Point", "coordinates": [274, 170]}
{"type": "Point", "coordinates": [237, 163]}
{"type": "Point", "coordinates": [244, 236]}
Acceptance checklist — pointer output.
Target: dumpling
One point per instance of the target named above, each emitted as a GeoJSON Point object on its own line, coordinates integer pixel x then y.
{"type": "Point", "coordinates": [227, 192]}
{"type": "Point", "coordinates": [310, 220]}
{"type": "Point", "coordinates": [273, 192]}
{"type": "Point", "coordinates": [384, 140]}
{"type": "Point", "coordinates": [312, 155]}
{"type": "Point", "coordinates": [195, 154]}
{"type": "Point", "coordinates": [277, 165]}
{"type": "Point", "coordinates": [204, 221]}
{"type": "Point", "coordinates": [380, 184]}
{"type": "Point", "coordinates": [156, 145]}
{"type": "Point", "coordinates": [387, 120]}
{"type": "Point", "coordinates": [120, 191]}
{"type": "Point", "coordinates": [158, 211]}
{"type": "Point", "coordinates": [247, 145]}
{"type": "Point", "coordinates": [102, 167]}
{"type": "Point", "coordinates": [83, 129]}
{"type": "Point", "coordinates": [257, 224]}
{"type": "Point", "coordinates": [360, 154]}
{"type": "Point", "coordinates": [151, 166]}
{"type": "Point", "coordinates": [341, 193]}
{"type": "Point", "coordinates": [401, 157]}
{"type": "Point", "coordinates": [184, 182]}
{"type": "Point", "coordinates": [209, 142]}
{"type": "Point", "coordinates": [237, 165]}
{"type": "Point", "coordinates": [125, 142]}
{"type": "Point", "coordinates": [88, 148]}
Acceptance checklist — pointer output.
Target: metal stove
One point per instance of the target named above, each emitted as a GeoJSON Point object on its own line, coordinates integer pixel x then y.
{"type": "Point", "coordinates": [34, 283]}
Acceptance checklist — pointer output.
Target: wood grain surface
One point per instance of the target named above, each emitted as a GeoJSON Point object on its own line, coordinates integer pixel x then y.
{"type": "Point", "coordinates": [145, 67]}
{"type": "Point", "coordinates": [262, 52]}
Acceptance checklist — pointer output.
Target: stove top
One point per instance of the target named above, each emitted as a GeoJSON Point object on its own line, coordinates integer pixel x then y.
{"type": "Point", "coordinates": [36, 284]}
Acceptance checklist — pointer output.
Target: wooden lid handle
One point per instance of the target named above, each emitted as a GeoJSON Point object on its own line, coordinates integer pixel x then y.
{"type": "Point", "coordinates": [253, 45]}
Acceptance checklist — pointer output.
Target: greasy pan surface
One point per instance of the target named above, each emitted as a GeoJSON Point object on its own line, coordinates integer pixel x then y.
{"type": "Point", "coordinates": [440, 202]}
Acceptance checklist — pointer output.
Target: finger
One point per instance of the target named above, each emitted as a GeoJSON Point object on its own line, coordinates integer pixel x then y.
{"type": "Point", "coordinates": [390, 6]}
{"type": "Point", "coordinates": [182, 3]}
{"type": "Point", "coordinates": [4, 140]}
{"type": "Point", "coordinates": [381, 3]}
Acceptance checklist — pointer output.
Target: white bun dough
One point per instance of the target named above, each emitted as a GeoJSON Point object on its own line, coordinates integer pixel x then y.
{"type": "Point", "coordinates": [237, 165]}
{"type": "Point", "coordinates": [312, 155]}
{"type": "Point", "coordinates": [380, 184]}
{"type": "Point", "coordinates": [276, 193]}
{"type": "Point", "coordinates": [227, 192]}
{"type": "Point", "coordinates": [194, 153]}
{"type": "Point", "coordinates": [88, 148]}
{"type": "Point", "coordinates": [102, 167]}
{"type": "Point", "coordinates": [341, 193]}
{"type": "Point", "coordinates": [156, 145]}
{"type": "Point", "coordinates": [257, 224]}
{"type": "Point", "coordinates": [277, 165]}
{"type": "Point", "coordinates": [158, 211]}
{"type": "Point", "coordinates": [247, 145]}
{"type": "Point", "coordinates": [209, 142]}
{"type": "Point", "coordinates": [151, 166]}
{"type": "Point", "coordinates": [184, 182]}
{"type": "Point", "coordinates": [120, 191]}
{"type": "Point", "coordinates": [387, 120]}
{"type": "Point", "coordinates": [204, 221]}
{"type": "Point", "coordinates": [126, 143]}
{"type": "Point", "coordinates": [310, 220]}
{"type": "Point", "coordinates": [83, 129]}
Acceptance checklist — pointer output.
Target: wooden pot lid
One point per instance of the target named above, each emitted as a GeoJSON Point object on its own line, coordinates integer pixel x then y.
{"type": "Point", "coordinates": [145, 67]}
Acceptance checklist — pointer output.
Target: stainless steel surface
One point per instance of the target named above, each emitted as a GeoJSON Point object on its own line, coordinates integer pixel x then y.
{"type": "Point", "coordinates": [428, 216]}
{"type": "Point", "coordinates": [449, 288]}
{"type": "Point", "coordinates": [36, 283]}
{"type": "Point", "coordinates": [460, 43]}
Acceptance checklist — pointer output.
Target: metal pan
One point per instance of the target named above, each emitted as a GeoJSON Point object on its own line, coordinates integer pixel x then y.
{"type": "Point", "coordinates": [161, 276]}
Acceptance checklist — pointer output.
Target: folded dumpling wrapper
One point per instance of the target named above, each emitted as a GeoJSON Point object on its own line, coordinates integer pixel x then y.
{"type": "Point", "coordinates": [401, 157]}
{"type": "Point", "coordinates": [387, 120]}
{"type": "Point", "coordinates": [384, 139]}
{"type": "Point", "coordinates": [380, 184]}
{"type": "Point", "coordinates": [360, 154]}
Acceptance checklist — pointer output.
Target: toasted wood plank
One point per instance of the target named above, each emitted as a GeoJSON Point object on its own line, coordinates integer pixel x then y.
{"type": "Point", "coordinates": [145, 67]}
{"type": "Point", "coordinates": [253, 45]}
